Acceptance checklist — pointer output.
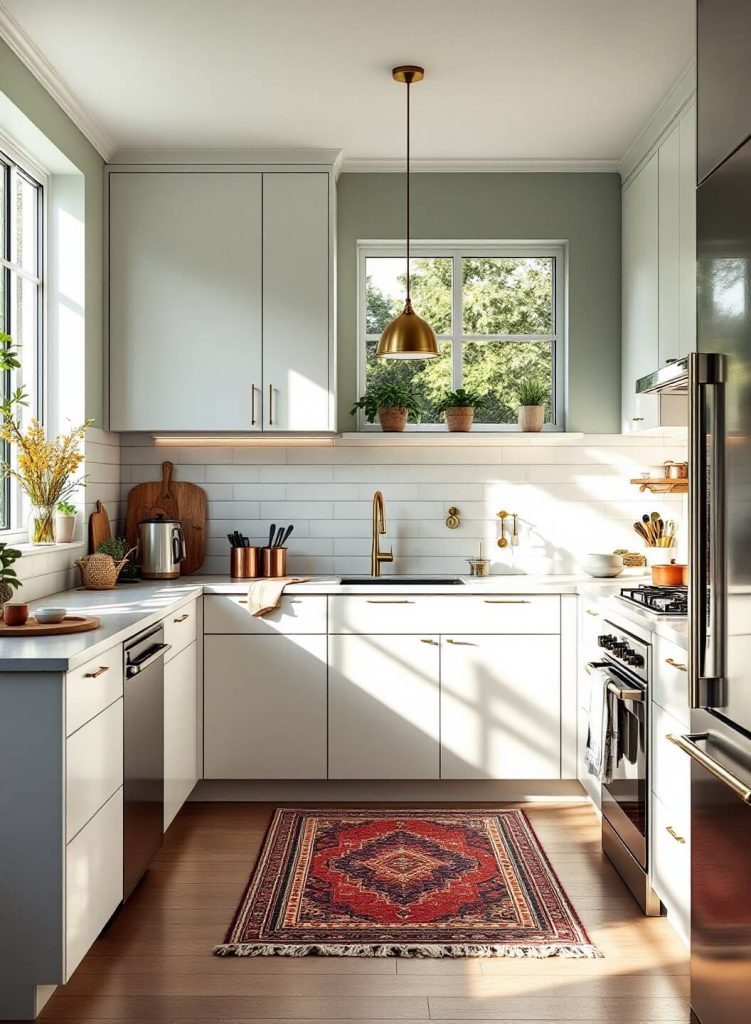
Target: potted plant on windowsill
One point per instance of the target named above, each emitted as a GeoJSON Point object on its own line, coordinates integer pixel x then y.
{"type": "Point", "coordinates": [458, 408]}
{"type": "Point", "coordinates": [64, 522]}
{"type": "Point", "coordinates": [9, 581]}
{"type": "Point", "coordinates": [392, 402]}
{"type": "Point", "coordinates": [531, 394]}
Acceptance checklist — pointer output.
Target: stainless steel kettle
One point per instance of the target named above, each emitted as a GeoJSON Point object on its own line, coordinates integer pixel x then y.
{"type": "Point", "coordinates": [161, 548]}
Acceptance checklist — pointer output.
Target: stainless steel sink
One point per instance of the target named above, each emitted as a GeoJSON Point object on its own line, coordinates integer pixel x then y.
{"type": "Point", "coordinates": [401, 581]}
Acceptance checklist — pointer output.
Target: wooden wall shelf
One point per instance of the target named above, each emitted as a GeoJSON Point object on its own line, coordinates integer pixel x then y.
{"type": "Point", "coordinates": [659, 485]}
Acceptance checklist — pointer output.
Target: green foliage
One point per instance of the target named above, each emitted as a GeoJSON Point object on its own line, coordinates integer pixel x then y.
{"type": "Point", "coordinates": [388, 393]}
{"type": "Point", "coordinates": [462, 398]}
{"type": "Point", "coordinates": [65, 508]}
{"type": "Point", "coordinates": [117, 547]}
{"type": "Point", "coordinates": [530, 391]}
{"type": "Point", "coordinates": [10, 360]}
{"type": "Point", "coordinates": [7, 574]}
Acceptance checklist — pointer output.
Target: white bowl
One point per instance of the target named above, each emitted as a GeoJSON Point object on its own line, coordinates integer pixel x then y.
{"type": "Point", "coordinates": [603, 566]}
{"type": "Point", "coordinates": [49, 615]}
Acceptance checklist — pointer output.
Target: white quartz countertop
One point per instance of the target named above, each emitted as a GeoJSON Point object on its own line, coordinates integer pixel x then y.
{"type": "Point", "coordinates": [131, 608]}
{"type": "Point", "coordinates": [605, 593]}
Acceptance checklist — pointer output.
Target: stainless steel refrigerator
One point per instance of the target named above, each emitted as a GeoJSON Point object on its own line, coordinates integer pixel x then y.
{"type": "Point", "coordinates": [717, 380]}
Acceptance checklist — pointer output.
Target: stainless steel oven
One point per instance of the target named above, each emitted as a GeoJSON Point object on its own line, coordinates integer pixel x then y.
{"type": "Point", "coordinates": [625, 797]}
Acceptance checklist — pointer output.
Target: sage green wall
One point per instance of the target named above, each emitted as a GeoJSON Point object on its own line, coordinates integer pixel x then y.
{"type": "Point", "coordinates": [23, 90]}
{"type": "Point", "coordinates": [584, 209]}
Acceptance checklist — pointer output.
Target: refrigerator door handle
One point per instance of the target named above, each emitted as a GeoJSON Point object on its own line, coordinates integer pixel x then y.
{"type": "Point", "coordinates": [688, 744]}
{"type": "Point", "coordinates": [707, 526]}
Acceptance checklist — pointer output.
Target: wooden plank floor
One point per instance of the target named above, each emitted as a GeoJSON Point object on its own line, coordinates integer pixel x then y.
{"type": "Point", "coordinates": [154, 963]}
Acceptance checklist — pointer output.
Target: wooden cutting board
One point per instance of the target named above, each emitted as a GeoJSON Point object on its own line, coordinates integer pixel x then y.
{"type": "Point", "coordinates": [99, 527]}
{"type": "Point", "coordinates": [172, 499]}
{"type": "Point", "coordinates": [70, 624]}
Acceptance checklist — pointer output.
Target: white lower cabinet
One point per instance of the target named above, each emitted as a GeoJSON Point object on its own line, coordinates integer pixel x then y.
{"type": "Point", "coordinates": [500, 707]}
{"type": "Point", "coordinates": [180, 731]}
{"type": "Point", "coordinates": [265, 707]}
{"type": "Point", "coordinates": [93, 767]}
{"type": "Point", "coordinates": [384, 706]}
{"type": "Point", "coordinates": [671, 864]}
{"type": "Point", "coordinates": [93, 880]}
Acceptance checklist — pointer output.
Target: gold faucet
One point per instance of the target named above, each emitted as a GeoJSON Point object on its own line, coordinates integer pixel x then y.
{"type": "Point", "coordinates": [379, 526]}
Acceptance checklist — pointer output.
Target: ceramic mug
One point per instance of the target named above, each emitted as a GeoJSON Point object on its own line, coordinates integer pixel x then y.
{"type": "Point", "coordinates": [15, 614]}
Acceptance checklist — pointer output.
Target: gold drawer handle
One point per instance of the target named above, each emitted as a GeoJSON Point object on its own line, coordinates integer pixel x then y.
{"type": "Point", "coordinates": [428, 641]}
{"type": "Point", "coordinates": [371, 600]}
{"type": "Point", "coordinates": [498, 600]}
{"type": "Point", "coordinates": [590, 612]}
{"type": "Point", "coordinates": [676, 664]}
{"type": "Point", "coordinates": [671, 832]}
{"type": "Point", "coordinates": [97, 672]}
{"type": "Point", "coordinates": [181, 618]}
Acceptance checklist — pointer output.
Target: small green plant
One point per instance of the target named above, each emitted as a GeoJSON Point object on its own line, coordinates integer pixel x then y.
{"type": "Point", "coordinates": [117, 547]}
{"type": "Point", "coordinates": [9, 581]}
{"type": "Point", "coordinates": [64, 508]}
{"type": "Point", "coordinates": [530, 391]}
{"type": "Point", "coordinates": [387, 394]}
{"type": "Point", "coordinates": [462, 398]}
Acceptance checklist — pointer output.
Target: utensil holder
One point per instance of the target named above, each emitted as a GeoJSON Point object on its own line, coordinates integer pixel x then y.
{"type": "Point", "coordinates": [275, 562]}
{"type": "Point", "coordinates": [245, 563]}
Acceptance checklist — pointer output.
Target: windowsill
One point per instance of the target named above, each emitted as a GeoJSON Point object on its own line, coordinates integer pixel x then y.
{"type": "Point", "coordinates": [420, 438]}
{"type": "Point", "coordinates": [30, 550]}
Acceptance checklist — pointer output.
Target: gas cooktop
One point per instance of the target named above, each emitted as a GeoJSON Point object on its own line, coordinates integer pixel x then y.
{"type": "Point", "coordinates": [658, 600]}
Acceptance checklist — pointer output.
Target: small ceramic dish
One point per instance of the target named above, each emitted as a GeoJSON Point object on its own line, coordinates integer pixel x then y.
{"type": "Point", "coordinates": [603, 566]}
{"type": "Point", "coordinates": [49, 615]}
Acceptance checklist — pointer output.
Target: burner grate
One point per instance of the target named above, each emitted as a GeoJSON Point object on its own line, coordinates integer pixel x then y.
{"type": "Point", "coordinates": [661, 600]}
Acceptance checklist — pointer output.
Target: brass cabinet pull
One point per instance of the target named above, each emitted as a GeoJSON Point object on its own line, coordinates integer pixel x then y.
{"type": "Point", "coordinates": [498, 600]}
{"type": "Point", "coordinates": [252, 405]}
{"type": "Point", "coordinates": [637, 419]}
{"type": "Point", "coordinates": [271, 405]}
{"type": "Point", "coordinates": [671, 832]}
{"type": "Point", "coordinates": [426, 641]}
{"type": "Point", "coordinates": [97, 672]}
{"type": "Point", "coordinates": [242, 600]}
{"type": "Point", "coordinates": [181, 618]}
{"type": "Point", "coordinates": [373, 600]}
{"type": "Point", "coordinates": [676, 664]}
{"type": "Point", "coordinates": [590, 611]}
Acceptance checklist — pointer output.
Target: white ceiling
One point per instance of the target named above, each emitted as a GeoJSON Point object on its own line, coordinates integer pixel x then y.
{"type": "Point", "coordinates": [505, 79]}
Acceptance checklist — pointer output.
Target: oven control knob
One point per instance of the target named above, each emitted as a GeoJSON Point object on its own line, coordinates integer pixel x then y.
{"type": "Point", "coordinates": [620, 649]}
{"type": "Point", "coordinates": [607, 641]}
{"type": "Point", "coordinates": [637, 660]}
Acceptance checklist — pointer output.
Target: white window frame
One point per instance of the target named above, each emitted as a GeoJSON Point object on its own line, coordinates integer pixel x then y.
{"type": "Point", "coordinates": [10, 155]}
{"type": "Point", "coordinates": [458, 250]}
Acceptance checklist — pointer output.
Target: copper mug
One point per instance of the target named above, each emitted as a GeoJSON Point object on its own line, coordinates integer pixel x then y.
{"type": "Point", "coordinates": [275, 562]}
{"type": "Point", "coordinates": [15, 614]}
{"type": "Point", "coordinates": [245, 563]}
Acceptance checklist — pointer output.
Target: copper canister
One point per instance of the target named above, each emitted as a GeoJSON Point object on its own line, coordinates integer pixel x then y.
{"type": "Point", "coordinates": [245, 563]}
{"type": "Point", "coordinates": [275, 562]}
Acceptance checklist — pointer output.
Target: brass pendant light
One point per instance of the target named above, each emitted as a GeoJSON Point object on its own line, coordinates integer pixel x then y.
{"type": "Point", "coordinates": [408, 336]}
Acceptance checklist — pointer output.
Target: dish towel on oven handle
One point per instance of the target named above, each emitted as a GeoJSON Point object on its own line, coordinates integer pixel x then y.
{"type": "Point", "coordinates": [265, 595]}
{"type": "Point", "coordinates": [602, 737]}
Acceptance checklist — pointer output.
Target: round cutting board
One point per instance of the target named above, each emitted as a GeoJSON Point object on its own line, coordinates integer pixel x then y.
{"type": "Point", "coordinates": [70, 624]}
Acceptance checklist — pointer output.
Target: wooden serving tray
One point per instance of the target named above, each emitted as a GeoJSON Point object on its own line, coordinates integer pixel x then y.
{"type": "Point", "coordinates": [70, 624]}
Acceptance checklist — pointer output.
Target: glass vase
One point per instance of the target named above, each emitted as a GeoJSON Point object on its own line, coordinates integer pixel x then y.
{"type": "Point", "coordinates": [41, 529]}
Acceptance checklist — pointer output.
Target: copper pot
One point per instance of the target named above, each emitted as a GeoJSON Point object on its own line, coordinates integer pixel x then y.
{"type": "Point", "coordinates": [671, 575]}
{"type": "Point", "coordinates": [245, 563]}
{"type": "Point", "coordinates": [275, 562]}
{"type": "Point", "coordinates": [676, 470]}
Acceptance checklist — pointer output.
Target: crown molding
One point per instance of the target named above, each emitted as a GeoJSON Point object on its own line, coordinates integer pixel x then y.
{"type": "Point", "coordinates": [364, 166]}
{"type": "Point", "coordinates": [29, 55]}
{"type": "Point", "coordinates": [670, 108]}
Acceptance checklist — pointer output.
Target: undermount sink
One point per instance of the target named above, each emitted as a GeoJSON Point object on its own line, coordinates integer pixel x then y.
{"type": "Point", "coordinates": [401, 581]}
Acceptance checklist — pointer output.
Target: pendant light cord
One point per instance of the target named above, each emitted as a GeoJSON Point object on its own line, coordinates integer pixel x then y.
{"type": "Point", "coordinates": [408, 204]}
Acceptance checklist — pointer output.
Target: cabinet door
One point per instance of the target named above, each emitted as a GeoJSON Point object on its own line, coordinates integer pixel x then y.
{"type": "Point", "coordinates": [640, 295]}
{"type": "Point", "coordinates": [296, 296]}
{"type": "Point", "coordinates": [669, 159]}
{"type": "Point", "coordinates": [384, 707]}
{"type": "Point", "coordinates": [687, 187]}
{"type": "Point", "coordinates": [265, 707]}
{"type": "Point", "coordinates": [185, 300]}
{"type": "Point", "coordinates": [500, 707]}
{"type": "Point", "coordinates": [180, 739]}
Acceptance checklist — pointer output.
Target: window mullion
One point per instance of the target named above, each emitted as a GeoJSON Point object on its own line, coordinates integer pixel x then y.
{"type": "Point", "coordinates": [457, 322]}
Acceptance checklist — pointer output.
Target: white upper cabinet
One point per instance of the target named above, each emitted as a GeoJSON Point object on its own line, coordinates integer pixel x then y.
{"type": "Point", "coordinates": [185, 302]}
{"type": "Point", "coordinates": [220, 292]}
{"type": "Point", "coordinates": [296, 363]}
{"type": "Point", "coordinates": [687, 229]}
{"type": "Point", "coordinates": [668, 335]}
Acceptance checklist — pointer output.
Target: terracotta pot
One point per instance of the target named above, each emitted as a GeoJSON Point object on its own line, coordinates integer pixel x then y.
{"type": "Point", "coordinates": [671, 575]}
{"type": "Point", "coordinates": [460, 418]}
{"type": "Point", "coordinates": [15, 614]}
{"type": "Point", "coordinates": [393, 420]}
{"type": "Point", "coordinates": [531, 418]}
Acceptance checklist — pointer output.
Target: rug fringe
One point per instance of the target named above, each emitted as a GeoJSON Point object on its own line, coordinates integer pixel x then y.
{"type": "Point", "coordinates": [411, 950]}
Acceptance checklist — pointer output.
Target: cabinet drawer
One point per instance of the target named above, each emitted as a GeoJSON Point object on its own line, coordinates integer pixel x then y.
{"type": "Point", "coordinates": [671, 865]}
{"type": "Point", "coordinates": [670, 686]}
{"type": "Point", "coordinates": [671, 768]}
{"type": "Point", "coordinates": [92, 687]}
{"type": "Point", "coordinates": [93, 880]}
{"type": "Point", "coordinates": [491, 613]}
{"type": "Point", "coordinates": [228, 613]}
{"type": "Point", "coordinates": [93, 767]}
{"type": "Point", "coordinates": [180, 629]}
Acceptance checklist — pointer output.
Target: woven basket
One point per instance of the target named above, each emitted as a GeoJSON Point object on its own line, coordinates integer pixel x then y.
{"type": "Point", "coordinates": [100, 572]}
{"type": "Point", "coordinates": [459, 418]}
{"type": "Point", "coordinates": [633, 560]}
{"type": "Point", "coordinates": [393, 419]}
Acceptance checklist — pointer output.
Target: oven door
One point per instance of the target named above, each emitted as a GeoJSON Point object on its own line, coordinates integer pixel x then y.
{"type": "Point", "coordinates": [624, 798]}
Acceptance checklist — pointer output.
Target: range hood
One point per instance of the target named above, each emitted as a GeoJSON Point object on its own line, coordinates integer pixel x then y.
{"type": "Point", "coordinates": [671, 379]}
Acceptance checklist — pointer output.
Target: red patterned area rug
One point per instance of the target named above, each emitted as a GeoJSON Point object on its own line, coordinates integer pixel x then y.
{"type": "Point", "coordinates": [415, 883]}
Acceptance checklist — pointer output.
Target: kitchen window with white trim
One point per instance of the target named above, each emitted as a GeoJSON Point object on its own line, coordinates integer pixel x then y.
{"type": "Point", "coordinates": [21, 284]}
{"type": "Point", "coordinates": [498, 310]}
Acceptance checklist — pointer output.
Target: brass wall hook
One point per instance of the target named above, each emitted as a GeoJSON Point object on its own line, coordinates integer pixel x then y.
{"type": "Point", "coordinates": [502, 540]}
{"type": "Point", "coordinates": [453, 520]}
